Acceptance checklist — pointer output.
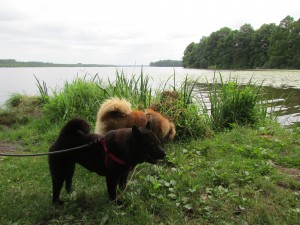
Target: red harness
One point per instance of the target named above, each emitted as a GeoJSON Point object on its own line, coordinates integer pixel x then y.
{"type": "Point", "coordinates": [110, 155]}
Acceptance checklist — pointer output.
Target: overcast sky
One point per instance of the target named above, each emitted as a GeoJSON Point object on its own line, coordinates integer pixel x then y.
{"type": "Point", "coordinates": [123, 31]}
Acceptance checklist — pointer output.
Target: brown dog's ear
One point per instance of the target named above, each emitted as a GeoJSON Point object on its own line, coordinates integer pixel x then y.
{"type": "Point", "coordinates": [148, 125]}
{"type": "Point", "coordinates": [136, 132]}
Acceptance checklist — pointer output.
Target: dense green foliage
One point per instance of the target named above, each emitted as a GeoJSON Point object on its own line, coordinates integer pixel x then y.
{"type": "Point", "coordinates": [83, 97]}
{"type": "Point", "coordinates": [77, 99]}
{"type": "Point", "coordinates": [240, 176]}
{"type": "Point", "coordinates": [230, 103]}
{"type": "Point", "coordinates": [167, 63]}
{"type": "Point", "coordinates": [233, 104]}
{"type": "Point", "coordinates": [270, 46]}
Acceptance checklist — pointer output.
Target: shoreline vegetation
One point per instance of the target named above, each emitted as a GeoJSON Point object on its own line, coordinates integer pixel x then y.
{"type": "Point", "coordinates": [230, 164]}
{"type": "Point", "coordinates": [15, 63]}
{"type": "Point", "coordinates": [167, 63]}
{"type": "Point", "coordinates": [269, 47]}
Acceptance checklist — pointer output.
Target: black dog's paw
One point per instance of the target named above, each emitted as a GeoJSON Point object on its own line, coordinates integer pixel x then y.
{"type": "Point", "coordinates": [118, 202]}
{"type": "Point", "coordinates": [69, 189]}
{"type": "Point", "coordinates": [58, 203]}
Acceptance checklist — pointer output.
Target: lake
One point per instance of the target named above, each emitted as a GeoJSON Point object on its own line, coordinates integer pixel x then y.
{"type": "Point", "coordinates": [281, 86]}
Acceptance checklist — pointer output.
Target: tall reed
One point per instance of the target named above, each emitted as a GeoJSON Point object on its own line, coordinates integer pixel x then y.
{"type": "Point", "coordinates": [43, 89]}
{"type": "Point", "coordinates": [235, 104]}
{"type": "Point", "coordinates": [137, 89]}
{"type": "Point", "coordinates": [83, 96]}
{"type": "Point", "coordinates": [80, 98]}
{"type": "Point", "coordinates": [230, 103]}
{"type": "Point", "coordinates": [178, 102]}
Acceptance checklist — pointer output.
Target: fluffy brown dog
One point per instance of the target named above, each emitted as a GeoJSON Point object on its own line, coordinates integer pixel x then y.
{"type": "Point", "coordinates": [115, 113]}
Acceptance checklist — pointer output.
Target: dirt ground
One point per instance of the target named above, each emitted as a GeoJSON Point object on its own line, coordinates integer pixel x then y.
{"type": "Point", "coordinates": [6, 147]}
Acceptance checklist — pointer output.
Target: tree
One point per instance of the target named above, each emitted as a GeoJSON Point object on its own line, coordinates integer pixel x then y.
{"type": "Point", "coordinates": [286, 22]}
{"type": "Point", "coordinates": [294, 45]}
{"type": "Point", "coordinates": [270, 46]}
{"type": "Point", "coordinates": [167, 63]}
{"type": "Point", "coordinates": [225, 48]}
{"type": "Point", "coordinates": [188, 59]}
{"type": "Point", "coordinates": [200, 54]}
{"type": "Point", "coordinates": [279, 45]}
{"type": "Point", "coordinates": [242, 39]}
{"type": "Point", "coordinates": [260, 45]}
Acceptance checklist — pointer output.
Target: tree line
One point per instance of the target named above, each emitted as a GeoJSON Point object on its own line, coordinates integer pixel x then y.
{"type": "Point", "coordinates": [167, 63]}
{"type": "Point", "coordinates": [270, 46]}
{"type": "Point", "coordinates": [15, 63]}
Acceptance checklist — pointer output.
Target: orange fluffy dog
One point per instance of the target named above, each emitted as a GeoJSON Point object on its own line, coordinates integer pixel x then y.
{"type": "Point", "coordinates": [115, 113]}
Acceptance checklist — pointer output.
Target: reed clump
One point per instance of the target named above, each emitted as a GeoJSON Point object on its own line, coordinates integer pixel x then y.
{"type": "Point", "coordinates": [231, 104]}
{"type": "Point", "coordinates": [79, 98]}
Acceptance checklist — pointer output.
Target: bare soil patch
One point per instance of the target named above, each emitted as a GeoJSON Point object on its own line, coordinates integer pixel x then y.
{"type": "Point", "coordinates": [7, 147]}
{"type": "Point", "coordinates": [295, 173]}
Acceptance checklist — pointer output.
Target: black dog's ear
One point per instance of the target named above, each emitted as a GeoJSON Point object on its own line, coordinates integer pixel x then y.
{"type": "Point", "coordinates": [136, 132]}
{"type": "Point", "coordinates": [148, 125]}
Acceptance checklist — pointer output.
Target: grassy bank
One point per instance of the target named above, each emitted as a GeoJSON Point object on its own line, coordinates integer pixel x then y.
{"type": "Point", "coordinates": [233, 173]}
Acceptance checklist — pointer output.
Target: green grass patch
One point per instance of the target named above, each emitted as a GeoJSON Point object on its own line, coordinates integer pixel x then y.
{"type": "Point", "coordinates": [248, 174]}
{"type": "Point", "coordinates": [224, 179]}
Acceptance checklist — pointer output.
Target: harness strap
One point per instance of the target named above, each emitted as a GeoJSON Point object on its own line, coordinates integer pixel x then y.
{"type": "Point", "coordinates": [110, 155]}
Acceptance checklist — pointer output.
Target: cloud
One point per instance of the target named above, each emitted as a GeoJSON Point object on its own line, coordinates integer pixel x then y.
{"type": "Point", "coordinates": [121, 32]}
{"type": "Point", "coordinates": [9, 13]}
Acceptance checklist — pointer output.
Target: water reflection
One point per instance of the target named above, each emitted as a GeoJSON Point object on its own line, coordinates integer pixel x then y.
{"type": "Point", "coordinates": [284, 102]}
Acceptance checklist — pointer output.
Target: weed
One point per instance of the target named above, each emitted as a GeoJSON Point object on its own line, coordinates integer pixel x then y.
{"type": "Point", "coordinates": [235, 104]}
{"type": "Point", "coordinates": [81, 98]}
{"type": "Point", "coordinates": [20, 109]}
{"type": "Point", "coordinates": [136, 89]}
{"type": "Point", "coordinates": [43, 90]}
{"type": "Point", "coordinates": [14, 100]}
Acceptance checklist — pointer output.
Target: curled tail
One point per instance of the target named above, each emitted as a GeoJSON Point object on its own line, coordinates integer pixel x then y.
{"type": "Point", "coordinates": [74, 126]}
{"type": "Point", "coordinates": [114, 105]}
{"type": "Point", "coordinates": [110, 109]}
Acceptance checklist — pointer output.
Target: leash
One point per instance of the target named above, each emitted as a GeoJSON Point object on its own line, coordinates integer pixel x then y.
{"type": "Point", "coordinates": [108, 154]}
{"type": "Point", "coordinates": [101, 141]}
{"type": "Point", "coordinates": [52, 153]}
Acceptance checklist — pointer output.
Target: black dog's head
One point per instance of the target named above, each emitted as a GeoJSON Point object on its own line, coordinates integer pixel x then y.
{"type": "Point", "coordinates": [148, 145]}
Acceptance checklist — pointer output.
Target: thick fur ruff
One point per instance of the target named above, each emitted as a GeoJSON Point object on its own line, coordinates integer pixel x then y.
{"type": "Point", "coordinates": [115, 113]}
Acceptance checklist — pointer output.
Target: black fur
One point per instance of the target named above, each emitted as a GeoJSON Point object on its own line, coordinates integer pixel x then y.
{"type": "Point", "coordinates": [131, 145]}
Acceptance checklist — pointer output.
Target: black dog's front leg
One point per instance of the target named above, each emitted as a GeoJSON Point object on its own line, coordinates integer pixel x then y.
{"type": "Point", "coordinates": [111, 183]}
{"type": "Point", "coordinates": [57, 183]}
{"type": "Point", "coordinates": [123, 181]}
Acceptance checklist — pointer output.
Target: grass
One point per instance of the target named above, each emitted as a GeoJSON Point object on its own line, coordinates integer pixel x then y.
{"type": "Point", "coordinates": [232, 178]}
{"type": "Point", "coordinates": [248, 174]}
{"type": "Point", "coordinates": [82, 98]}
{"type": "Point", "coordinates": [233, 104]}
{"type": "Point", "coordinates": [20, 109]}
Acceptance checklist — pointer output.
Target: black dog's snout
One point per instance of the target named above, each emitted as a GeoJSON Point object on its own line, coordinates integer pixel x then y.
{"type": "Point", "coordinates": [162, 154]}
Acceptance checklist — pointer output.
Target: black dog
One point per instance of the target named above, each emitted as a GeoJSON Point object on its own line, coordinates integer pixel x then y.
{"type": "Point", "coordinates": [112, 155]}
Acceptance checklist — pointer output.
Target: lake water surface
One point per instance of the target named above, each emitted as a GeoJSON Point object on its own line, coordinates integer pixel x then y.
{"type": "Point", "coordinates": [281, 86]}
